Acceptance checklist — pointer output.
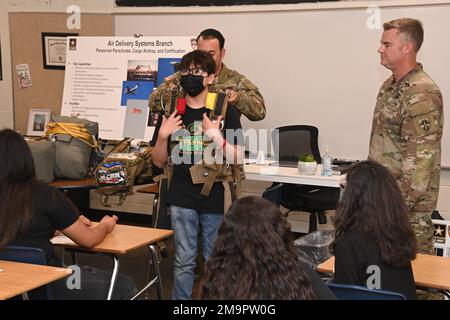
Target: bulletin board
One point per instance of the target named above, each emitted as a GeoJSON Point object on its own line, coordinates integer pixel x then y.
{"type": "Point", "coordinates": [47, 85]}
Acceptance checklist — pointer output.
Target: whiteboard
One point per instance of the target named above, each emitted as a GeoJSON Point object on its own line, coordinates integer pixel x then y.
{"type": "Point", "coordinates": [316, 67]}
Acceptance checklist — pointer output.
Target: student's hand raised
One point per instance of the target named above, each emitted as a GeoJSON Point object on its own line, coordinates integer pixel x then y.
{"type": "Point", "coordinates": [212, 128]}
{"type": "Point", "coordinates": [170, 125]}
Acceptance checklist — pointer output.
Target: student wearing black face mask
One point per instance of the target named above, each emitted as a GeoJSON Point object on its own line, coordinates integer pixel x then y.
{"type": "Point", "coordinates": [194, 133]}
{"type": "Point", "coordinates": [242, 93]}
{"type": "Point", "coordinates": [192, 84]}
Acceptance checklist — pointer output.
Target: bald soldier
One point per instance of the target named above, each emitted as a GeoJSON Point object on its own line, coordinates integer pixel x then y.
{"type": "Point", "coordinates": [242, 93]}
{"type": "Point", "coordinates": [407, 125]}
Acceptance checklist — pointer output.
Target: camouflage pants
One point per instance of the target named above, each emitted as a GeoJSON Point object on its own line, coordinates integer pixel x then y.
{"type": "Point", "coordinates": [423, 229]}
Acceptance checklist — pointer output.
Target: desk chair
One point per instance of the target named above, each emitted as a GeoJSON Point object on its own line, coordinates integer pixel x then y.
{"type": "Point", "coordinates": [154, 190]}
{"type": "Point", "coordinates": [158, 222]}
{"type": "Point", "coordinates": [289, 143]}
{"type": "Point", "coordinates": [352, 292]}
{"type": "Point", "coordinates": [28, 255]}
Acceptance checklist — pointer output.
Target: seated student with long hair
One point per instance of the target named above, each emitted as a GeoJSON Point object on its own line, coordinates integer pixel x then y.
{"type": "Point", "coordinates": [373, 229]}
{"type": "Point", "coordinates": [31, 211]}
{"type": "Point", "coordinates": [254, 258]}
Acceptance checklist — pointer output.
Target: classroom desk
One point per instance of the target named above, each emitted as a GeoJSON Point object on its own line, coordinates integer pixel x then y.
{"type": "Point", "coordinates": [429, 272]}
{"type": "Point", "coordinates": [17, 278]}
{"type": "Point", "coordinates": [65, 184]}
{"type": "Point", "coordinates": [289, 175]}
{"type": "Point", "coordinates": [122, 240]}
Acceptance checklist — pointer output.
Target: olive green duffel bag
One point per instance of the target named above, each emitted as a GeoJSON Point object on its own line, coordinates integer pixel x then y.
{"type": "Point", "coordinates": [75, 140]}
{"type": "Point", "coordinates": [43, 152]}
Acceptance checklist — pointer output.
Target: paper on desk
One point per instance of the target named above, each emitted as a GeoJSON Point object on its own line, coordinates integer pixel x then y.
{"type": "Point", "coordinates": [61, 239]}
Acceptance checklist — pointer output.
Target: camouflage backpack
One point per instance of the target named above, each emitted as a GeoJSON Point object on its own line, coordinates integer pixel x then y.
{"type": "Point", "coordinates": [117, 173]}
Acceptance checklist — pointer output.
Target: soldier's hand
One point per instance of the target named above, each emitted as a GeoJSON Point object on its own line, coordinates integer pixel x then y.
{"type": "Point", "coordinates": [233, 96]}
{"type": "Point", "coordinates": [170, 125]}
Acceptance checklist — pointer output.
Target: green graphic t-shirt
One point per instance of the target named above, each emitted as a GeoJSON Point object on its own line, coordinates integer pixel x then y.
{"type": "Point", "coordinates": [182, 191]}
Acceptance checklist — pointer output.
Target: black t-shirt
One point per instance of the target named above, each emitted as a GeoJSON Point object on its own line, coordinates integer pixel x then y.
{"type": "Point", "coordinates": [355, 253]}
{"type": "Point", "coordinates": [52, 211]}
{"type": "Point", "coordinates": [321, 291]}
{"type": "Point", "coordinates": [182, 191]}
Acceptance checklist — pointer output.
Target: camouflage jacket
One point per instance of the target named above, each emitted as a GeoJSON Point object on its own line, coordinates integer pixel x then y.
{"type": "Point", "coordinates": [406, 136]}
{"type": "Point", "coordinates": [251, 102]}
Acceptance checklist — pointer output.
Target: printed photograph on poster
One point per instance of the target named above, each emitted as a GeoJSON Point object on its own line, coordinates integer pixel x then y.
{"type": "Point", "coordinates": [135, 119]}
{"type": "Point", "coordinates": [152, 119]}
{"type": "Point", "coordinates": [139, 90]}
{"type": "Point", "coordinates": [23, 75]}
{"type": "Point", "coordinates": [166, 67]}
{"type": "Point", "coordinates": [194, 43]}
{"type": "Point", "coordinates": [37, 121]}
{"type": "Point", "coordinates": [141, 70]}
{"type": "Point", "coordinates": [54, 49]}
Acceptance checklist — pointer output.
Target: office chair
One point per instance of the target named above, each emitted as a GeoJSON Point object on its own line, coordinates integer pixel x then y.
{"type": "Point", "coordinates": [28, 255]}
{"type": "Point", "coordinates": [273, 194]}
{"type": "Point", "coordinates": [289, 143]}
{"type": "Point", "coordinates": [353, 292]}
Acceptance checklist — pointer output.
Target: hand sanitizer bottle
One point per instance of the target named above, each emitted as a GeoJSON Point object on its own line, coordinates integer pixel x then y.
{"type": "Point", "coordinates": [326, 163]}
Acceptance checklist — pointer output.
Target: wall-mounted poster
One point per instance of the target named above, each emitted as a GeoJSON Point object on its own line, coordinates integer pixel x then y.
{"type": "Point", "coordinates": [23, 75]}
{"type": "Point", "coordinates": [109, 79]}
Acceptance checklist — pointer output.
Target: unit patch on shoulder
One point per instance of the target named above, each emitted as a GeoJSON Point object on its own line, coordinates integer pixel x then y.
{"type": "Point", "coordinates": [424, 124]}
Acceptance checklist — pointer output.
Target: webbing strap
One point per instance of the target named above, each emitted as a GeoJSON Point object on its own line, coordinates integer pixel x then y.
{"type": "Point", "coordinates": [75, 130]}
{"type": "Point", "coordinates": [173, 101]}
{"type": "Point", "coordinates": [207, 186]}
{"type": "Point", "coordinates": [220, 107]}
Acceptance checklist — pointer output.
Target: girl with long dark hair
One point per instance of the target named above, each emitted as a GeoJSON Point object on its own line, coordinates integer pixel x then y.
{"type": "Point", "coordinates": [254, 258]}
{"type": "Point", "coordinates": [31, 211]}
{"type": "Point", "coordinates": [374, 241]}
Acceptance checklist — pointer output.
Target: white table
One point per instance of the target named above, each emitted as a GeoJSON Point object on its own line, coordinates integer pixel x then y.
{"type": "Point", "coordinates": [271, 173]}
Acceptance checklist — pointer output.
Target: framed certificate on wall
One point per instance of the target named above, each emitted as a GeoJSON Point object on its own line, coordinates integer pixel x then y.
{"type": "Point", "coordinates": [54, 49]}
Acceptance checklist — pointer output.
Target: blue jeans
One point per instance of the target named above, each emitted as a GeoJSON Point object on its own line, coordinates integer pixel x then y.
{"type": "Point", "coordinates": [185, 224]}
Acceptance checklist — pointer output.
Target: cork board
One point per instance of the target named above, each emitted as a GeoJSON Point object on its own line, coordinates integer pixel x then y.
{"type": "Point", "coordinates": [26, 47]}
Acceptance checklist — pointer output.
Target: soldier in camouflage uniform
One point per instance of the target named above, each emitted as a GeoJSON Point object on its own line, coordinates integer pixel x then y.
{"type": "Point", "coordinates": [242, 93]}
{"type": "Point", "coordinates": [407, 126]}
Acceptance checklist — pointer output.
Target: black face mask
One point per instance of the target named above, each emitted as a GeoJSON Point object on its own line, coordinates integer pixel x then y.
{"type": "Point", "coordinates": [193, 85]}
